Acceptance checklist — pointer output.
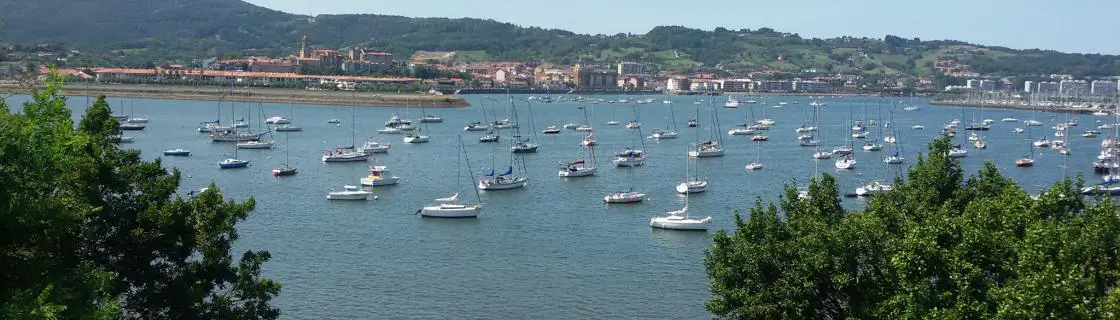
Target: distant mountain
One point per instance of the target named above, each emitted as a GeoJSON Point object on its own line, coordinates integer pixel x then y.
{"type": "Point", "coordinates": [130, 32]}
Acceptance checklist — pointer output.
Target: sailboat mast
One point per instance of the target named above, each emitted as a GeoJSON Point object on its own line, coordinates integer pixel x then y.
{"type": "Point", "coordinates": [463, 150]}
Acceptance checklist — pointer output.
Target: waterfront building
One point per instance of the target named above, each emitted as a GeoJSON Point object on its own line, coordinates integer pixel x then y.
{"type": "Point", "coordinates": [1028, 86]}
{"type": "Point", "coordinates": [1047, 88]}
{"type": "Point", "coordinates": [810, 86]}
{"type": "Point", "coordinates": [704, 85]}
{"type": "Point", "coordinates": [630, 68]}
{"type": "Point", "coordinates": [737, 85]}
{"type": "Point", "coordinates": [304, 48]}
{"type": "Point", "coordinates": [244, 78]}
{"type": "Point", "coordinates": [774, 85]}
{"type": "Point", "coordinates": [1073, 87]}
{"type": "Point", "coordinates": [678, 84]}
{"type": "Point", "coordinates": [594, 77]}
{"type": "Point", "coordinates": [1104, 88]}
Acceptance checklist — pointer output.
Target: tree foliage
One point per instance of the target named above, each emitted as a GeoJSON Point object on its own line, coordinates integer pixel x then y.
{"type": "Point", "coordinates": [936, 246]}
{"type": "Point", "coordinates": [91, 231]}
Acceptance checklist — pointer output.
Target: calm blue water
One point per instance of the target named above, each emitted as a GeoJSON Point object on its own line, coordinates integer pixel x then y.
{"type": "Point", "coordinates": [552, 250]}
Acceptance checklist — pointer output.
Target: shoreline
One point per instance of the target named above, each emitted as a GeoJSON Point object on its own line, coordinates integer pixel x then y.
{"type": "Point", "coordinates": [1057, 109]}
{"type": "Point", "coordinates": [264, 95]}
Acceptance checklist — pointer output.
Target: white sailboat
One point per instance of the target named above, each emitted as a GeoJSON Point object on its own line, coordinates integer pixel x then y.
{"type": "Point", "coordinates": [670, 131]}
{"type": "Point", "coordinates": [692, 184]}
{"type": "Point", "coordinates": [583, 167]}
{"type": "Point", "coordinates": [450, 207]}
{"type": "Point", "coordinates": [713, 147]}
{"type": "Point", "coordinates": [680, 220]}
{"type": "Point", "coordinates": [350, 153]}
{"type": "Point", "coordinates": [757, 164]}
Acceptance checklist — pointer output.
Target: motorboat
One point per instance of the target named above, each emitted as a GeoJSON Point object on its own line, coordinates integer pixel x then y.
{"type": "Point", "coordinates": [476, 126]}
{"type": "Point", "coordinates": [694, 186]}
{"type": "Point", "coordinates": [894, 159]}
{"type": "Point", "coordinates": [1101, 113]}
{"type": "Point", "coordinates": [663, 134]}
{"type": "Point", "coordinates": [397, 121]}
{"type": "Point", "coordinates": [873, 188]}
{"type": "Point", "coordinates": [973, 137]}
{"type": "Point", "coordinates": [334, 121]}
{"type": "Point", "coordinates": [578, 168]}
{"type": "Point", "coordinates": [588, 140]}
{"type": "Point", "coordinates": [551, 130]}
{"type": "Point", "coordinates": [288, 128]}
{"type": "Point", "coordinates": [805, 128]}
{"type": "Point", "coordinates": [754, 166]}
{"type": "Point", "coordinates": [612, 123]}
{"type": "Point", "coordinates": [630, 158]}
{"type": "Point", "coordinates": [284, 171]}
{"type": "Point", "coordinates": [1041, 143]}
{"type": "Point", "coordinates": [842, 151]}
{"type": "Point", "coordinates": [766, 122]}
{"type": "Point", "coordinates": [177, 153]}
{"type": "Point", "coordinates": [822, 155]}
{"type": "Point", "coordinates": [1107, 188]}
{"type": "Point", "coordinates": [624, 197]}
{"type": "Point", "coordinates": [1009, 119]}
{"type": "Point", "coordinates": [431, 119]}
{"type": "Point", "coordinates": [911, 108]}
{"type": "Point", "coordinates": [740, 131]}
{"type": "Point", "coordinates": [584, 128]}
{"type": "Point", "coordinates": [890, 139]}
{"type": "Point", "coordinates": [980, 144]}
{"type": "Point", "coordinates": [349, 193]}
{"type": "Point", "coordinates": [917, 127]}
{"type": "Point", "coordinates": [1018, 130]}
{"type": "Point", "coordinates": [731, 103]}
{"type": "Point", "coordinates": [859, 135]}
{"type": "Point", "coordinates": [277, 120]}
{"type": "Point", "coordinates": [808, 142]}
{"type": "Point", "coordinates": [341, 155]}
{"type": "Point", "coordinates": [389, 130]}
{"type": "Point", "coordinates": [136, 120]}
{"type": "Point", "coordinates": [1032, 123]}
{"type": "Point", "coordinates": [405, 127]}
{"type": "Point", "coordinates": [372, 147]}
{"type": "Point", "coordinates": [760, 138]}
{"type": "Point", "coordinates": [230, 136]}
{"type": "Point", "coordinates": [240, 124]}
{"type": "Point", "coordinates": [845, 163]}
{"type": "Point", "coordinates": [571, 126]}
{"type": "Point", "coordinates": [1091, 133]}
{"type": "Point", "coordinates": [693, 123]}
{"type": "Point", "coordinates": [503, 124]}
{"type": "Point", "coordinates": [379, 176]}
{"type": "Point", "coordinates": [255, 145]}
{"type": "Point", "coordinates": [871, 147]}
{"type": "Point", "coordinates": [416, 138]}
{"type": "Point", "coordinates": [208, 127]}
{"type": "Point", "coordinates": [1024, 162]}
{"type": "Point", "coordinates": [633, 125]}
{"type": "Point", "coordinates": [490, 138]}
{"type": "Point", "coordinates": [233, 163]}
{"type": "Point", "coordinates": [706, 149]}
{"type": "Point", "coordinates": [988, 122]}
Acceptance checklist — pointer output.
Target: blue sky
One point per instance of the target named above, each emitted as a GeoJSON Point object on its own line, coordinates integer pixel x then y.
{"type": "Point", "coordinates": [1084, 26]}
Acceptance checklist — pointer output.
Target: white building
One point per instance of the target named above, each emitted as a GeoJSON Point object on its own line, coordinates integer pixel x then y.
{"type": "Point", "coordinates": [678, 84]}
{"type": "Point", "coordinates": [1103, 88]}
{"type": "Point", "coordinates": [1073, 87]}
{"type": "Point", "coordinates": [628, 68]}
{"type": "Point", "coordinates": [1028, 86]}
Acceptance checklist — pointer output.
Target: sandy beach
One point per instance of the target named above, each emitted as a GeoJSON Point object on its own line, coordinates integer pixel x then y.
{"type": "Point", "coordinates": [270, 95]}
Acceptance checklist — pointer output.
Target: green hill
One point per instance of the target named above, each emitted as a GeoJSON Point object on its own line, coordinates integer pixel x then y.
{"type": "Point", "coordinates": [134, 32]}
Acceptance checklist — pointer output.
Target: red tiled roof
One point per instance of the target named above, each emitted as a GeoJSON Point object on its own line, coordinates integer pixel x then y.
{"type": "Point", "coordinates": [247, 74]}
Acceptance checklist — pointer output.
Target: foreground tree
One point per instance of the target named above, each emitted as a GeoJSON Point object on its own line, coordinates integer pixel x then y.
{"type": "Point", "coordinates": [91, 231]}
{"type": "Point", "coordinates": [936, 246]}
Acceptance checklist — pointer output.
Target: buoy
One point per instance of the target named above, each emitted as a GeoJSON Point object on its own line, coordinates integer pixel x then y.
{"type": "Point", "coordinates": [376, 197]}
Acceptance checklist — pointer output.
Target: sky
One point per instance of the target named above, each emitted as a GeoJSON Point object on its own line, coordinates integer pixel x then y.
{"type": "Point", "coordinates": [1081, 26]}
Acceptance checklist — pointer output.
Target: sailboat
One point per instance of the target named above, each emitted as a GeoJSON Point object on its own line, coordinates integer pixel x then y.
{"type": "Point", "coordinates": [418, 136]}
{"type": "Point", "coordinates": [349, 193]}
{"type": "Point", "coordinates": [632, 157]}
{"type": "Point", "coordinates": [1026, 161]}
{"type": "Point", "coordinates": [233, 163]}
{"type": "Point", "coordinates": [285, 170]}
{"type": "Point", "coordinates": [846, 162]}
{"type": "Point", "coordinates": [285, 125]}
{"type": "Point", "coordinates": [874, 145]}
{"type": "Point", "coordinates": [347, 154]}
{"type": "Point", "coordinates": [731, 103]}
{"type": "Point", "coordinates": [757, 164]}
{"type": "Point", "coordinates": [519, 145]}
{"type": "Point", "coordinates": [679, 219]}
{"type": "Point", "coordinates": [896, 157]}
{"type": "Point", "coordinates": [692, 185]}
{"type": "Point", "coordinates": [708, 148]}
{"type": "Point", "coordinates": [583, 167]}
{"type": "Point", "coordinates": [670, 131]}
{"type": "Point", "coordinates": [132, 118]}
{"type": "Point", "coordinates": [450, 207]}
{"type": "Point", "coordinates": [505, 180]}
{"type": "Point", "coordinates": [257, 144]}
{"type": "Point", "coordinates": [479, 125]}
{"type": "Point", "coordinates": [628, 196]}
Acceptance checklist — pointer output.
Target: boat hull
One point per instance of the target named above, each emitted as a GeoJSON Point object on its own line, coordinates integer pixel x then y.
{"type": "Point", "coordinates": [686, 188]}
{"type": "Point", "coordinates": [348, 196]}
{"type": "Point", "coordinates": [451, 213]}
{"type": "Point", "coordinates": [705, 153]}
{"type": "Point", "coordinates": [681, 224]}
{"type": "Point", "coordinates": [583, 172]}
{"type": "Point", "coordinates": [628, 197]}
{"type": "Point", "coordinates": [416, 139]}
{"type": "Point", "coordinates": [174, 153]}
{"type": "Point", "coordinates": [351, 157]}
{"type": "Point", "coordinates": [233, 165]}
{"type": "Point", "coordinates": [380, 182]}
{"type": "Point", "coordinates": [510, 183]}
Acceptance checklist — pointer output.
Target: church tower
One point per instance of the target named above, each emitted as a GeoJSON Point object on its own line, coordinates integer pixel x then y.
{"type": "Point", "coordinates": [304, 48]}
